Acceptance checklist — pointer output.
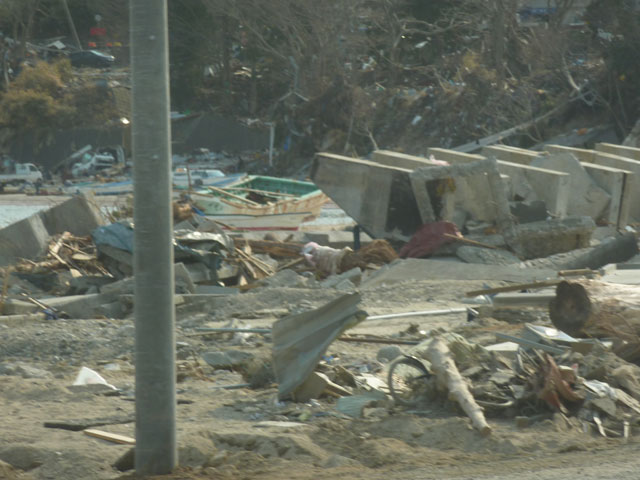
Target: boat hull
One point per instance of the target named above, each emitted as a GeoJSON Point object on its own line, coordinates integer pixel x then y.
{"type": "Point", "coordinates": [272, 197]}
{"type": "Point", "coordinates": [278, 221]}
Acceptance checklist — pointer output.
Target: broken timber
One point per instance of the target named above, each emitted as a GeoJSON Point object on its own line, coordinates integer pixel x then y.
{"type": "Point", "coordinates": [597, 309]}
{"type": "Point", "coordinates": [110, 437]}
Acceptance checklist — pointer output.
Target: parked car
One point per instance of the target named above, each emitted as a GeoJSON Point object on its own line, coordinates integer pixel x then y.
{"type": "Point", "coordinates": [91, 58]}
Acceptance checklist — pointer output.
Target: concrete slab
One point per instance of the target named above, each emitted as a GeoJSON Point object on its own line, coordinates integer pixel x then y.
{"type": "Point", "coordinates": [511, 154]}
{"type": "Point", "coordinates": [78, 215]}
{"type": "Point", "coordinates": [472, 195]}
{"type": "Point", "coordinates": [27, 238]}
{"type": "Point", "coordinates": [611, 250]}
{"type": "Point", "coordinates": [581, 154]}
{"type": "Point", "coordinates": [417, 269]}
{"type": "Point", "coordinates": [623, 163]}
{"type": "Point", "coordinates": [401, 160]}
{"type": "Point", "coordinates": [485, 169]}
{"type": "Point", "coordinates": [78, 306]}
{"type": "Point", "coordinates": [621, 150]}
{"type": "Point", "coordinates": [486, 256]}
{"type": "Point", "coordinates": [617, 183]}
{"type": "Point", "coordinates": [615, 156]}
{"type": "Point", "coordinates": [625, 277]}
{"type": "Point", "coordinates": [453, 156]}
{"type": "Point", "coordinates": [585, 197]}
{"type": "Point", "coordinates": [550, 186]}
{"type": "Point", "coordinates": [378, 197]}
{"type": "Point", "coordinates": [542, 239]}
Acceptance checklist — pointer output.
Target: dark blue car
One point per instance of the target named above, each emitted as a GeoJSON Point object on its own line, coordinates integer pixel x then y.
{"type": "Point", "coordinates": [91, 58]}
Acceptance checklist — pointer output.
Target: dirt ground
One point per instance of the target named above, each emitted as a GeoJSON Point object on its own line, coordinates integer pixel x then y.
{"type": "Point", "coordinates": [222, 433]}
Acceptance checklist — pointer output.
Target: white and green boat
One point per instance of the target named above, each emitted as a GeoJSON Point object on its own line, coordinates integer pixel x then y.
{"type": "Point", "coordinates": [261, 203]}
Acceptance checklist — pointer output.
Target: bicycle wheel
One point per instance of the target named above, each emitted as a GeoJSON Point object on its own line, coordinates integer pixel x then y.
{"type": "Point", "coordinates": [407, 381]}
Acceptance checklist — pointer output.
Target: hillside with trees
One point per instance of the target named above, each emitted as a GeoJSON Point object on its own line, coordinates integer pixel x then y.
{"type": "Point", "coordinates": [349, 76]}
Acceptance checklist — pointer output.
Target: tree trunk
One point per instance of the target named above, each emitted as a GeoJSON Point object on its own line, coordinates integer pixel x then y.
{"type": "Point", "coordinates": [597, 309]}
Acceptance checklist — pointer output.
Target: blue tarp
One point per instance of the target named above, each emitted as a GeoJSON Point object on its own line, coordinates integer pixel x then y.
{"type": "Point", "coordinates": [117, 235]}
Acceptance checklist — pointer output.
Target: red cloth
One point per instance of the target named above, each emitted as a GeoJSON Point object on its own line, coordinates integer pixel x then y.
{"type": "Point", "coordinates": [429, 238]}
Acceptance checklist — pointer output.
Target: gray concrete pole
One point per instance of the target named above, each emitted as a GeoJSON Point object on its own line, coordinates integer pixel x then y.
{"type": "Point", "coordinates": [72, 25]}
{"type": "Point", "coordinates": [155, 451]}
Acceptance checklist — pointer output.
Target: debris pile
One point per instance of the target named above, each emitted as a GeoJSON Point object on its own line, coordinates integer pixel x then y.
{"type": "Point", "coordinates": [325, 340]}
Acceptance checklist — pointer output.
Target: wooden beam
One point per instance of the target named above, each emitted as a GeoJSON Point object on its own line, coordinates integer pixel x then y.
{"type": "Point", "coordinates": [110, 437]}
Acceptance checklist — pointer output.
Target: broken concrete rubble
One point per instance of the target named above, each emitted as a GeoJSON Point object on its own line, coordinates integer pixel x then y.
{"type": "Point", "coordinates": [541, 239]}
{"type": "Point", "coordinates": [485, 255]}
{"type": "Point", "coordinates": [28, 238]}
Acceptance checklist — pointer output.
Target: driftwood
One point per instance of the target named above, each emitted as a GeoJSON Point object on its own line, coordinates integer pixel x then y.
{"type": "Point", "coordinates": [597, 309]}
{"type": "Point", "coordinates": [449, 377]}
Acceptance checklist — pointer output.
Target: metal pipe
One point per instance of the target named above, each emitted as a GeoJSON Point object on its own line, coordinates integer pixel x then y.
{"type": "Point", "coordinates": [423, 313]}
{"type": "Point", "coordinates": [156, 451]}
{"type": "Point", "coordinates": [204, 330]}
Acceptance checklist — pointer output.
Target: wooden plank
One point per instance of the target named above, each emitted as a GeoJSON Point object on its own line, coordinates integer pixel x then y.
{"type": "Point", "coordinates": [110, 437]}
{"type": "Point", "coordinates": [469, 241]}
{"type": "Point", "coordinates": [261, 192]}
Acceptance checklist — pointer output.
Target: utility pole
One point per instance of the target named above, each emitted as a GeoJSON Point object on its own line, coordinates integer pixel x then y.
{"type": "Point", "coordinates": [72, 26]}
{"type": "Point", "coordinates": [154, 310]}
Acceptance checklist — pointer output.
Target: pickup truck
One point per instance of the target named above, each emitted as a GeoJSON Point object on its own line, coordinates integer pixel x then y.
{"type": "Point", "coordinates": [20, 173]}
